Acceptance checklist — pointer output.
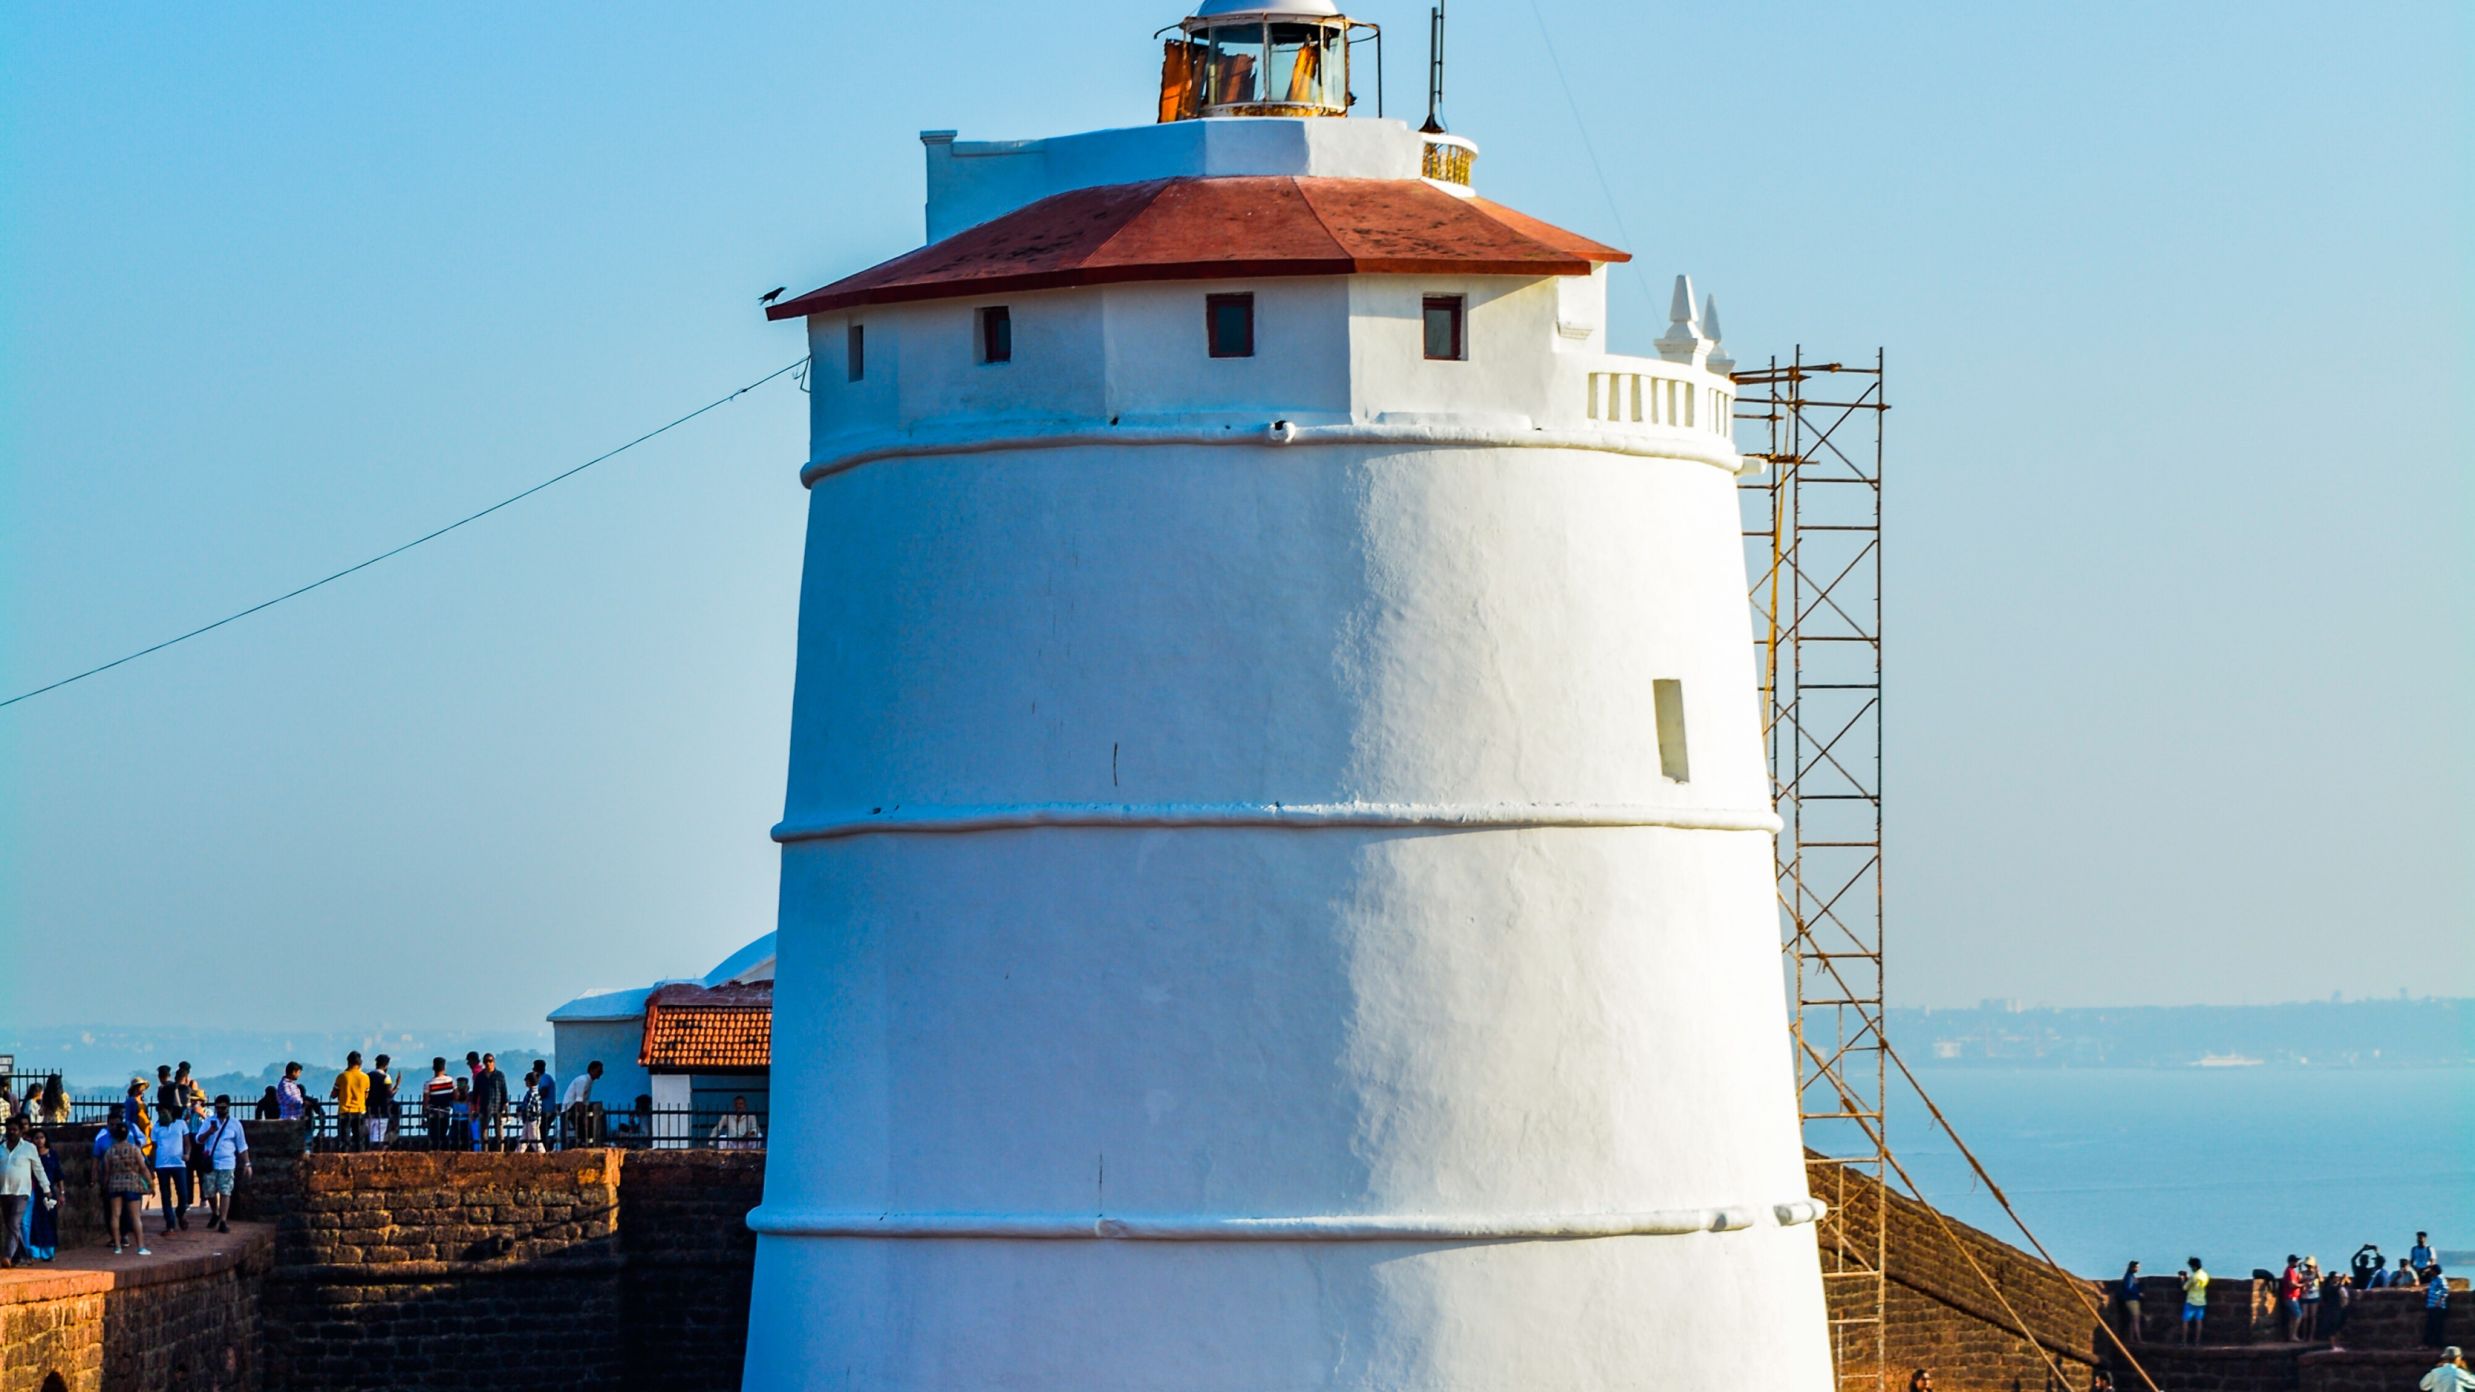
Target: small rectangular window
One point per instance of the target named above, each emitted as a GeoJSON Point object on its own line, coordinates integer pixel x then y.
{"type": "Point", "coordinates": [1667, 695]}
{"type": "Point", "coordinates": [1443, 320]}
{"type": "Point", "coordinates": [996, 334]}
{"type": "Point", "coordinates": [855, 355]}
{"type": "Point", "coordinates": [1229, 320]}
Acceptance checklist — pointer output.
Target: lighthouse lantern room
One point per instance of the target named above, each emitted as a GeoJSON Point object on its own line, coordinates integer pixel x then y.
{"type": "Point", "coordinates": [1250, 58]}
{"type": "Point", "coordinates": [1276, 859]}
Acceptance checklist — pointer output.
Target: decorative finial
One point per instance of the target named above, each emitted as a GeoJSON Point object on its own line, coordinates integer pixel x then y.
{"type": "Point", "coordinates": [1719, 361]}
{"type": "Point", "coordinates": [1683, 340]}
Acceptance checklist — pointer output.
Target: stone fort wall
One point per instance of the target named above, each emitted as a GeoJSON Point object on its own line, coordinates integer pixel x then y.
{"type": "Point", "coordinates": [610, 1271]}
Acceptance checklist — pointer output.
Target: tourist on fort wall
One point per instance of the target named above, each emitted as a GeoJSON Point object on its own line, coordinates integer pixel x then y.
{"type": "Point", "coordinates": [124, 1179]}
{"type": "Point", "coordinates": [2290, 1300]}
{"type": "Point", "coordinates": [437, 1105]}
{"type": "Point", "coordinates": [2195, 1278]}
{"type": "Point", "coordinates": [2405, 1276]}
{"type": "Point", "coordinates": [2127, 1303]}
{"type": "Point", "coordinates": [225, 1144]}
{"type": "Point", "coordinates": [270, 1106]}
{"type": "Point", "coordinates": [2449, 1375]}
{"type": "Point", "coordinates": [53, 1108]}
{"type": "Point", "coordinates": [2369, 1267]}
{"type": "Point", "coordinates": [489, 1104]}
{"type": "Point", "coordinates": [382, 1103]}
{"type": "Point", "coordinates": [185, 1085]}
{"type": "Point", "coordinates": [351, 1091]}
{"type": "Point", "coordinates": [172, 1167]}
{"type": "Point", "coordinates": [2420, 1255]}
{"type": "Point", "coordinates": [43, 1219]}
{"type": "Point", "coordinates": [2435, 1307]}
{"type": "Point", "coordinates": [2308, 1326]}
{"type": "Point", "coordinates": [2337, 1302]}
{"type": "Point", "coordinates": [578, 1105]}
{"type": "Point", "coordinates": [546, 1088]}
{"type": "Point", "coordinates": [291, 1099]}
{"type": "Point", "coordinates": [23, 1183]}
{"type": "Point", "coordinates": [460, 1117]}
{"type": "Point", "coordinates": [738, 1130]}
{"type": "Point", "coordinates": [528, 1112]}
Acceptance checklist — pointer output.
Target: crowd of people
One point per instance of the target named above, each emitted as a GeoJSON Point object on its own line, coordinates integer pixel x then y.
{"type": "Point", "coordinates": [2312, 1304]}
{"type": "Point", "coordinates": [165, 1141]}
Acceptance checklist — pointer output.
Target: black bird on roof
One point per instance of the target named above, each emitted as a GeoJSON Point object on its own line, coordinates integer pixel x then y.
{"type": "Point", "coordinates": [772, 295]}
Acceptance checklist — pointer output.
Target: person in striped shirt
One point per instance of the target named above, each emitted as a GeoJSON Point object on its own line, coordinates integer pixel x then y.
{"type": "Point", "coordinates": [438, 1105]}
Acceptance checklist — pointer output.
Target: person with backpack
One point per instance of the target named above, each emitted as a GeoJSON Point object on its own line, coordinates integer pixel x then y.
{"type": "Point", "coordinates": [381, 1103]}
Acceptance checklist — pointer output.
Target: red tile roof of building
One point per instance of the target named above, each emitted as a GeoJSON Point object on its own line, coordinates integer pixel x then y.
{"type": "Point", "coordinates": [1219, 229]}
{"type": "Point", "coordinates": [697, 1027]}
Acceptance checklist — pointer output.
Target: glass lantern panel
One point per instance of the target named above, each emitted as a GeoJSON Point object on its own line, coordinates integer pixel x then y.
{"type": "Point", "coordinates": [1305, 66]}
{"type": "Point", "coordinates": [1233, 65]}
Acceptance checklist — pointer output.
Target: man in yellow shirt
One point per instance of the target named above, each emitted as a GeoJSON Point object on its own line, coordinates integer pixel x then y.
{"type": "Point", "coordinates": [352, 1103]}
{"type": "Point", "coordinates": [2195, 1302]}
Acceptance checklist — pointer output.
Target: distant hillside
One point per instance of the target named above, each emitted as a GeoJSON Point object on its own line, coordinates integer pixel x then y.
{"type": "Point", "coordinates": [101, 1059]}
{"type": "Point", "coordinates": [2314, 1034]}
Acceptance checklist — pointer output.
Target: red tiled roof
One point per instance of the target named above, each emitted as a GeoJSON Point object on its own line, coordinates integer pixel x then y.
{"type": "Point", "coordinates": [1199, 229]}
{"type": "Point", "coordinates": [694, 1027]}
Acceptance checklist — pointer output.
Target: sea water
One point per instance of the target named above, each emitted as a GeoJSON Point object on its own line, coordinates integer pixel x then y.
{"type": "Point", "coordinates": [2237, 1166]}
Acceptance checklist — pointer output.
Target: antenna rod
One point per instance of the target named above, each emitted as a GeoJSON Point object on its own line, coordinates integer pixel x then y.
{"type": "Point", "coordinates": [1435, 69]}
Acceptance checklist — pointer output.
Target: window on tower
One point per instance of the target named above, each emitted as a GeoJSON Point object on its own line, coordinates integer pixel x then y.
{"type": "Point", "coordinates": [996, 334]}
{"type": "Point", "coordinates": [1667, 697]}
{"type": "Point", "coordinates": [855, 350]}
{"type": "Point", "coordinates": [1443, 325]}
{"type": "Point", "coordinates": [1229, 324]}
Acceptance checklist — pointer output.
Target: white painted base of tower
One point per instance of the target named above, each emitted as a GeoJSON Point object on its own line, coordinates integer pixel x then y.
{"type": "Point", "coordinates": [1121, 1316]}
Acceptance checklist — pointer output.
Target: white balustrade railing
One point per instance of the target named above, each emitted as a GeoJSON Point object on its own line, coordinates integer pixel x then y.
{"type": "Point", "coordinates": [1648, 398]}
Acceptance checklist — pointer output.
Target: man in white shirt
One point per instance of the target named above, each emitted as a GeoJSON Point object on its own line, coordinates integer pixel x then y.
{"type": "Point", "coordinates": [578, 1105]}
{"type": "Point", "coordinates": [22, 1184]}
{"type": "Point", "coordinates": [226, 1144]}
{"type": "Point", "coordinates": [2449, 1375]}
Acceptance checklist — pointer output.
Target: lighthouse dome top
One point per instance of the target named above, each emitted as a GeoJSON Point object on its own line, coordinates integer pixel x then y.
{"type": "Point", "coordinates": [1270, 9]}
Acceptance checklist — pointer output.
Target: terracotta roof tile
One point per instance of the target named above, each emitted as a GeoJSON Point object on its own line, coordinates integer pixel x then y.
{"type": "Point", "coordinates": [695, 1027]}
{"type": "Point", "coordinates": [1221, 228]}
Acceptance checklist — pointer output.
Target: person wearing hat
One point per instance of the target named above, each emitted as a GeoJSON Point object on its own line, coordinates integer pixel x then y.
{"type": "Point", "coordinates": [2448, 1375]}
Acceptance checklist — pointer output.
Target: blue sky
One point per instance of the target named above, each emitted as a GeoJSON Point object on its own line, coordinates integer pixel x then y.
{"type": "Point", "coordinates": [2176, 300]}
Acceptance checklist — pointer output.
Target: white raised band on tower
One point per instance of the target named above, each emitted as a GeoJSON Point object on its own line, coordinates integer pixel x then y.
{"type": "Point", "coordinates": [1276, 882]}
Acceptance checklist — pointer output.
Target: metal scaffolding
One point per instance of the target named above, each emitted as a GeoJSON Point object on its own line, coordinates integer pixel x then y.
{"type": "Point", "coordinates": [1813, 538]}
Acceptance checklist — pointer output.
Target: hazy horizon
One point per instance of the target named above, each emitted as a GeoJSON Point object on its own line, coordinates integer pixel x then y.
{"type": "Point", "coordinates": [2169, 712]}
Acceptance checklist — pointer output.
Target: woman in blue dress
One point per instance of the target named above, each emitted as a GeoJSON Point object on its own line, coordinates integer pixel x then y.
{"type": "Point", "coordinates": [44, 1225]}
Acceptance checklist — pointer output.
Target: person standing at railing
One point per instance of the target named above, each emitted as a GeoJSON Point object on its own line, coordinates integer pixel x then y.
{"type": "Point", "coordinates": [43, 1222]}
{"type": "Point", "coordinates": [738, 1129]}
{"type": "Point", "coordinates": [437, 1105]}
{"type": "Point", "coordinates": [382, 1103]}
{"type": "Point", "coordinates": [291, 1099]}
{"type": "Point", "coordinates": [578, 1105]}
{"type": "Point", "coordinates": [489, 1105]}
{"type": "Point", "coordinates": [351, 1092]}
{"type": "Point", "coordinates": [546, 1092]}
{"type": "Point", "coordinates": [528, 1113]}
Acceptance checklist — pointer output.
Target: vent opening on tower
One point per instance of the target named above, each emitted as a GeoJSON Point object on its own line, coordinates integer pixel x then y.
{"type": "Point", "coordinates": [1667, 697]}
{"type": "Point", "coordinates": [855, 351]}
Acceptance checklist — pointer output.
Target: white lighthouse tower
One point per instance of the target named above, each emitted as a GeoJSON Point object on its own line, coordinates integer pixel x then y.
{"type": "Point", "coordinates": [1277, 874]}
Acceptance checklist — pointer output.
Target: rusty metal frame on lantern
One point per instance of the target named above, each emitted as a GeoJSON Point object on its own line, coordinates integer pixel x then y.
{"type": "Point", "coordinates": [1346, 34]}
{"type": "Point", "coordinates": [1813, 531]}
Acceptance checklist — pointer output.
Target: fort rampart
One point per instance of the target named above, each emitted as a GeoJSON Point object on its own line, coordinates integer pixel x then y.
{"type": "Point", "coordinates": [610, 1271]}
